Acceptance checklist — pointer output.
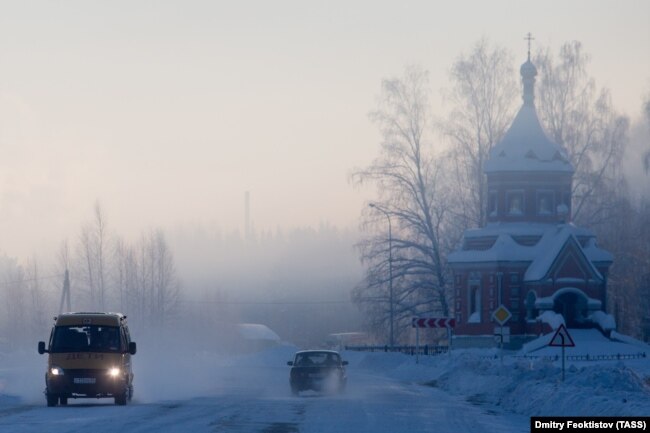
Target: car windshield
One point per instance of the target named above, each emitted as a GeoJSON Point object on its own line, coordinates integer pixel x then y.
{"type": "Point", "coordinates": [90, 338]}
{"type": "Point", "coordinates": [317, 359]}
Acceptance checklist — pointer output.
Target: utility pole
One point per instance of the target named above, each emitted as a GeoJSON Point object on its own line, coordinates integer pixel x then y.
{"type": "Point", "coordinates": [390, 273]}
{"type": "Point", "coordinates": [247, 216]}
{"type": "Point", "coordinates": [65, 293]}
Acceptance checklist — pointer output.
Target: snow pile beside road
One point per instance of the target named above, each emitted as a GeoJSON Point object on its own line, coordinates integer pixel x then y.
{"type": "Point", "coordinates": [21, 377]}
{"type": "Point", "coordinates": [535, 388]}
{"type": "Point", "coordinates": [523, 386]}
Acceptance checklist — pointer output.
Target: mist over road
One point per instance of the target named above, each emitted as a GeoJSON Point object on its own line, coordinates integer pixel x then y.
{"type": "Point", "coordinates": [251, 394]}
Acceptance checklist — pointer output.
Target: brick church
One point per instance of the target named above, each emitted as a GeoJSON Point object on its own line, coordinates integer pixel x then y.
{"type": "Point", "coordinates": [529, 257]}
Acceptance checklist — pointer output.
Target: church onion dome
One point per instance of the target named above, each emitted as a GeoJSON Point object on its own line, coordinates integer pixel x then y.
{"type": "Point", "coordinates": [526, 147]}
{"type": "Point", "coordinates": [528, 69]}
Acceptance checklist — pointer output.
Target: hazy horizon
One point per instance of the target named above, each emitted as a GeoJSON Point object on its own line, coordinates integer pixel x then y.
{"type": "Point", "coordinates": [167, 112]}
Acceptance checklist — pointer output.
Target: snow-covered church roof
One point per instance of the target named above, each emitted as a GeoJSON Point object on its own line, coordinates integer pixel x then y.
{"type": "Point", "coordinates": [536, 244]}
{"type": "Point", "coordinates": [526, 147]}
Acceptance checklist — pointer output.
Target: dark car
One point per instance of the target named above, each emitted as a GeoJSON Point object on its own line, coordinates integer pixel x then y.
{"type": "Point", "coordinates": [317, 370]}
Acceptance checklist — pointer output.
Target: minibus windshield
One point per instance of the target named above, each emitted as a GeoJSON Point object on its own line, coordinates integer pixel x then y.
{"type": "Point", "coordinates": [86, 338]}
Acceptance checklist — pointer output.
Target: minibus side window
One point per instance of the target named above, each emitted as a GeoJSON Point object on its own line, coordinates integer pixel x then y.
{"type": "Point", "coordinates": [124, 342]}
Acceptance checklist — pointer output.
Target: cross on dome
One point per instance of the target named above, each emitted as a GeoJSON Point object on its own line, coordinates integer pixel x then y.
{"type": "Point", "coordinates": [525, 147]}
{"type": "Point", "coordinates": [528, 73]}
{"type": "Point", "coordinates": [529, 38]}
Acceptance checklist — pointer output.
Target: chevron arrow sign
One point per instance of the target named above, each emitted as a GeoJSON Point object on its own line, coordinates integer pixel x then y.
{"type": "Point", "coordinates": [433, 322]}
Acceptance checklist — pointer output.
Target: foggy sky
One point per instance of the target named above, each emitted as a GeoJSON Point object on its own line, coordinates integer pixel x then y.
{"type": "Point", "coordinates": [167, 111]}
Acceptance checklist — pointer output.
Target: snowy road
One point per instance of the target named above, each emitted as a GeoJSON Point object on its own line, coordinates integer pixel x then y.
{"type": "Point", "coordinates": [257, 399]}
{"type": "Point", "coordinates": [207, 391]}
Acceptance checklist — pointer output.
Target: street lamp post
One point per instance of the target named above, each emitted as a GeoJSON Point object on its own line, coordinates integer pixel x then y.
{"type": "Point", "coordinates": [390, 272]}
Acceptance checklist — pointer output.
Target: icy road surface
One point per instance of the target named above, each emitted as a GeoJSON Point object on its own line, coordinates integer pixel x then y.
{"type": "Point", "coordinates": [254, 396]}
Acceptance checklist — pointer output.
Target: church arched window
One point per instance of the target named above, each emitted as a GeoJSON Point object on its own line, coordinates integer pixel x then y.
{"type": "Point", "coordinates": [515, 202]}
{"type": "Point", "coordinates": [545, 203]}
{"type": "Point", "coordinates": [531, 312]}
{"type": "Point", "coordinates": [492, 204]}
{"type": "Point", "coordinates": [474, 300]}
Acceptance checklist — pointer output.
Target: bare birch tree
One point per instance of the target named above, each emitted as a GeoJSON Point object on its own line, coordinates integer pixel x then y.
{"type": "Point", "coordinates": [166, 284]}
{"type": "Point", "coordinates": [62, 265]}
{"type": "Point", "coordinates": [405, 174]}
{"type": "Point", "coordinates": [583, 120]}
{"type": "Point", "coordinates": [36, 311]}
{"type": "Point", "coordinates": [101, 236]}
{"type": "Point", "coordinates": [14, 299]}
{"type": "Point", "coordinates": [646, 157]}
{"type": "Point", "coordinates": [146, 277]}
{"type": "Point", "coordinates": [482, 96]}
{"type": "Point", "coordinates": [121, 271]}
{"type": "Point", "coordinates": [85, 268]}
{"type": "Point", "coordinates": [92, 259]}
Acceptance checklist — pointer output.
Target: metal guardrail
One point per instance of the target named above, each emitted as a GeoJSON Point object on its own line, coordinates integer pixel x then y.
{"type": "Point", "coordinates": [425, 350]}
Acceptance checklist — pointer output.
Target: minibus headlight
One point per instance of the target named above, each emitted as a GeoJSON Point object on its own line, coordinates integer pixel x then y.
{"type": "Point", "coordinates": [114, 372]}
{"type": "Point", "coordinates": [56, 371]}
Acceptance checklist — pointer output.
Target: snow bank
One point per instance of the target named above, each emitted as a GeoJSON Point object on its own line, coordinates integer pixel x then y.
{"type": "Point", "coordinates": [587, 342]}
{"type": "Point", "coordinates": [527, 386]}
{"type": "Point", "coordinates": [629, 340]}
{"type": "Point", "coordinates": [553, 319]}
{"type": "Point", "coordinates": [534, 388]}
{"type": "Point", "coordinates": [604, 320]}
{"type": "Point", "coordinates": [537, 344]}
{"type": "Point", "coordinates": [22, 377]}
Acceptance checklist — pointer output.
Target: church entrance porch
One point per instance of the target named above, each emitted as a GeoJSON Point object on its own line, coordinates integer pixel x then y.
{"type": "Point", "coordinates": [574, 306]}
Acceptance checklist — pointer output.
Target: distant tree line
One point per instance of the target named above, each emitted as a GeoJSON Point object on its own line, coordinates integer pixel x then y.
{"type": "Point", "coordinates": [430, 180]}
{"type": "Point", "coordinates": [109, 273]}
{"type": "Point", "coordinates": [25, 304]}
{"type": "Point", "coordinates": [106, 273]}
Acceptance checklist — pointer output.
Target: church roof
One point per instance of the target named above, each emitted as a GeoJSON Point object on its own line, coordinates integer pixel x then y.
{"type": "Point", "coordinates": [542, 263]}
{"type": "Point", "coordinates": [535, 244]}
{"type": "Point", "coordinates": [526, 147]}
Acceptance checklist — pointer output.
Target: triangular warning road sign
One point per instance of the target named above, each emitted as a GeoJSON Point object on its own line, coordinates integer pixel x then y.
{"type": "Point", "coordinates": [562, 338]}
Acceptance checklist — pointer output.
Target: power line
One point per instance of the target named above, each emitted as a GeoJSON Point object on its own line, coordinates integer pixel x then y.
{"type": "Point", "coordinates": [27, 280]}
{"type": "Point", "coordinates": [267, 302]}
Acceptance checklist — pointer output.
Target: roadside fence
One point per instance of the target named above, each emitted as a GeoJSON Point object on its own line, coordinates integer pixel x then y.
{"type": "Point", "coordinates": [427, 350]}
{"type": "Point", "coordinates": [587, 357]}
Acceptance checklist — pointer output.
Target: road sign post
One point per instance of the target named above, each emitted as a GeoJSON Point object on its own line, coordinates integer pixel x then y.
{"type": "Point", "coordinates": [562, 339]}
{"type": "Point", "coordinates": [563, 358]}
{"type": "Point", "coordinates": [499, 335]}
{"type": "Point", "coordinates": [501, 315]}
{"type": "Point", "coordinates": [430, 322]}
{"type": "Point", "coordinates": [417, 345]}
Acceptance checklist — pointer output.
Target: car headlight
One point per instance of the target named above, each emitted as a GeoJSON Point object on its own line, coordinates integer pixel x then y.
{"type": "Point", "coordinates": [114, 372]}
{"type": "Point", "coordinates": [56, 371]}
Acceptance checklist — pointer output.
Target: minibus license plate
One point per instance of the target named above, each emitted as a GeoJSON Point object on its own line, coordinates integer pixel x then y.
{"type": "Point", "coordinates": [84, 380]}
